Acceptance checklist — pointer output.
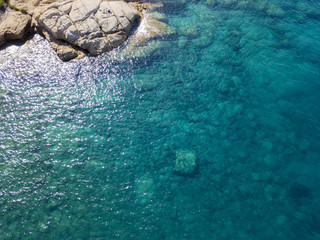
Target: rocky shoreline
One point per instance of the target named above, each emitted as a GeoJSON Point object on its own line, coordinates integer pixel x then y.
{"type": "Point", "coordinates": [76, 28]}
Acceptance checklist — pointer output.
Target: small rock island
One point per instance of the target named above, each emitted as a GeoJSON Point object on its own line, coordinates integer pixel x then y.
{"type": "Point", "coordinates": [74, 28]}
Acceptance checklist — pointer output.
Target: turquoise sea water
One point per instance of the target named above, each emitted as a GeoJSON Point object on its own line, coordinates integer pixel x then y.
{"type": "Point", "coordinates": [89, 149]}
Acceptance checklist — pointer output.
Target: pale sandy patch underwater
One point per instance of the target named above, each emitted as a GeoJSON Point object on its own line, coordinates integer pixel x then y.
{"type": "Point", "coordinates": [93, 149]}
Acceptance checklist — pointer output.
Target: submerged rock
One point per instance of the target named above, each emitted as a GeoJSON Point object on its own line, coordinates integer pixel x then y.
{"type": "Point", "coordinates": [185, 162]}
{"type": "Point", "coordinates": [259, 5]}
{"type": "Point", "coordinates": [3, 92]}
{"type": "Point", "coordinates": [144, 188]}
{"type": "Point", "coordinates": [299, 191]}
{"type": "Point", "coordinates": [227, 3]}
{"type": "Point", "coordinates": [142, 42]}
{"type": "Point", "coordinates": [211, 3]}
{"type": "Point", "coordinates": [275, 11]}
{"type": "Point", "coordinates": [190, 31]}
{"type": "Point", "coordinates": [144, 50]}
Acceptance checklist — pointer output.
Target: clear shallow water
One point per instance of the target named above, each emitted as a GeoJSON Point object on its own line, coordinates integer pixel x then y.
{"type": "Point", "coordinates": [88, 147]}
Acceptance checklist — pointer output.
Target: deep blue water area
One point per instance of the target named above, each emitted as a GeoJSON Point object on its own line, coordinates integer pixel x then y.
{"type": "Point", "coordinates": [213, 135]}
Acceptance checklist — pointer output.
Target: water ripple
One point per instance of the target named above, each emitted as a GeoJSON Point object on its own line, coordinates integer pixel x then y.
{"type": "Point", "coordinates": [212, 137]}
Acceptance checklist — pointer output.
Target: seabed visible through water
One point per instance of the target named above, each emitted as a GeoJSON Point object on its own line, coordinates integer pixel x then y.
{"type": "Point", "coordinates": [214, 134]}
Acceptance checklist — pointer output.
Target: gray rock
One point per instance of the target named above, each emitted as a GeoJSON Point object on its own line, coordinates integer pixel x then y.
{"type": "Point", "coordinates": [64, 50]}
{"type": "Point", "coordinates": [66, 8]}
{"type": "Point", "coordinates": [96, 26]}
{"type": "Point", "coordinates": [82, 9]}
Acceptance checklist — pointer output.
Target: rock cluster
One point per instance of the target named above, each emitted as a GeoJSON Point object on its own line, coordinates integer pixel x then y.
{"type": "Point", "coordinates": [73, 26]}
{"type": "Point", "coordinates": [96, 26]}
